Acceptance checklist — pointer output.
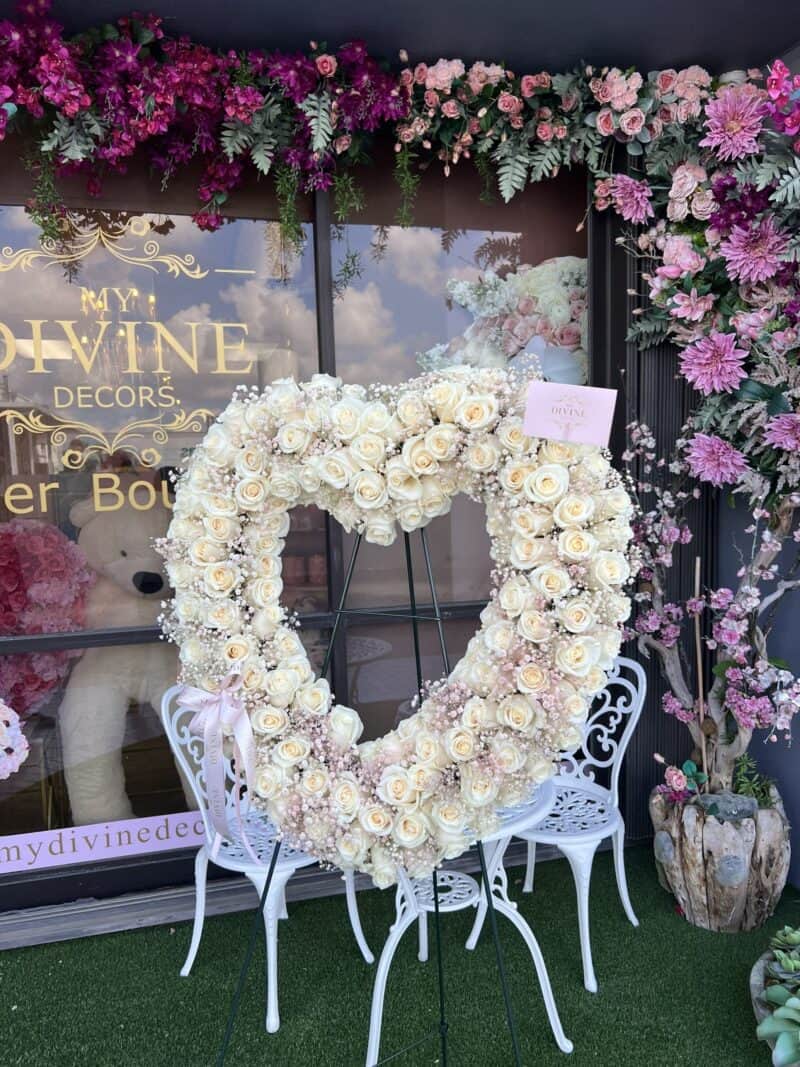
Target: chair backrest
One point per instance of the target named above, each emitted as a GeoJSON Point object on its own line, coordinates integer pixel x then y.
{"type": "Point", "coordinates": [608, 730]}
{"type": "Point", "coordinates": [188, 749]}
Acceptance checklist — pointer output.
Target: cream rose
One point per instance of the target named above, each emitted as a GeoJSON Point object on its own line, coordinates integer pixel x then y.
{"type": "Point", "coordinates": [609, 569]}
{"type": "Point", "coordinates": [576, 615]}
{"type": "Point", "coordinates": [281, 685]}
{"type": "Point", "coordinates": [410, 829]}
{"type": "Point", "coordinates": [576, 545]}
{"type": "Point", "coordinates": [251, 493]}
{"type": "Point", "coordinates": [444, 397]}
{"type": "Point", "coordinates": [514, 474]}
{"type": "Point", "coordinates": [482, 456]}
{"type": "Point", "coordinates": [313, 699]}
{"type": "Point", "coordinates": [551, 581]}
{"type": "Point", "coordinates": [291, 751]}
{"type": "Point", "coordinates": [577, 656]}
{"type": "Point", "coordinates": [344, 726]}
{"type": "Point", "coordinates": [546, 484]}
{"type": "Point", "coordinates": [516, 712]}
{"type": "Point", "coordinates": [220, 579]}
{"type": "Point", "coordinates": [204, 550]}
{"type": "Point", "coordinates": [499, 637]}
{"type": "Point", "coordinates": [401, 482]}
{"type": "Point", "coordinates": [442, 441]}
{"type": "Point", "coordinates": [574, 510]}
{"type": "Point", "coordinates": [527, 552]}
{"type": "Point", "coordinates": [352, 846]}
{"type": "Point", "coordinates": [335, 468]}
{"type": "Point", "coordinates": [221, 528]}
{"type": "Point", "coordinates": [314, 781]}
{"type": "Point", "coordinates": [459, 743]}
{"type": "Point", "coordinates": [533, 679]}
{"type": "Point", "coordinates": [534, 626]}
{"type": "Point", "coordinates": [380, 530]}
{"type": "Point", "coordinates": [510, 756]}
{"type": "Point", "coordinates": [531, 521]}
{"type": "Point", "coordinates": [346, 796]}
{"type": "Point", "coordinates": [368, 449]}
{"type": "Point", "coordinates": [270, 780]}
{"type": "Point", "coordinates": [511, 435]}
{"type": "Point", "coordinates": [448, 816]}
{"type": "Point", "coordinates": [346, 415]}
{"type": "Point", "coordinates": [293, 437]}
{"type": "Point", "coordinates": [375, 418]}
{"type": "Point", "coordinates": [514, 595]}
{"type": "Point", "coordinates": [369, 490]}
{"type": "Point", "coordinates": [478, 786]}
{"type": "Point", "coordinates": [376, 819]}
{"type": "Point", "coordinates": [418, 457]}
{"type": "Point", "coordinates": [269, 720]}
{"type": "Point", "coordinates": [476, 412]}
{"type": "Point", "coordinates": [395, 786]}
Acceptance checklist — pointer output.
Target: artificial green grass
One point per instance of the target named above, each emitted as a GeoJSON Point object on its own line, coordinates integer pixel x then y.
{"type": "Point", "coordinates": [669, 994]}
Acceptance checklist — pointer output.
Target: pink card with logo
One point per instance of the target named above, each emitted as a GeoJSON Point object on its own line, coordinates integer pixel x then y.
{"type": "Point", "coordinates": [581, 414]}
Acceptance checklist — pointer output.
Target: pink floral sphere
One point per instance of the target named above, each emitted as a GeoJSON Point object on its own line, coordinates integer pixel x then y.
{"type": "Point", "coordinates": [44, 578]}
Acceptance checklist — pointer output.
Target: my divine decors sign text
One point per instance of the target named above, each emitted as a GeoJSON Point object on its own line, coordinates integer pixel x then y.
{"type": "Point", "coordinates": [120, 363]}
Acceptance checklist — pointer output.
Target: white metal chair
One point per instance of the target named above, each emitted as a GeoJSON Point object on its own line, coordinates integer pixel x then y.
{"type": "Point", "coordinates": [414, 900]}
{"type": "Point", "coordinates": [230, 852]}
{"type": "Point", "coordinates": [586, 812]}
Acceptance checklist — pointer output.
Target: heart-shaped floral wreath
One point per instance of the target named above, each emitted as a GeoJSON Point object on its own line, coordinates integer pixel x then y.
{"type": "Point", "coordinates": [558, 516]}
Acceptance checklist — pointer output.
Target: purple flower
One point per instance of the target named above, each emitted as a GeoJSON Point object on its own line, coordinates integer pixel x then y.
{"type": "Point", "coordinates": [734, 119]}
{"type": "Point", "coordinates": [714, 364]}
{"type": "Point", "coordinates": [631, 198]}
{"type": "Point", "coordinates": [783, 431]}
{"type": "Point", "coordinates": [753, 253]}
{"type": "Point", "coordinates": [713, 460]}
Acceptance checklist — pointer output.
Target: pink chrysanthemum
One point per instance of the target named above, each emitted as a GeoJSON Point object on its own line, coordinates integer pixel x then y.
{"type": "Point", "coordinates": [783, 431]}
{"type": "Point", "coordinates": [713, 460]}
{"type": "Point", "coordinates": [714, 364]}
{"type": "Point", "coordinates": [734, 119]}
{"type": "Point", "coordinates": [753, 253]}
{"type": "Point", "coordinates": [631, 198]}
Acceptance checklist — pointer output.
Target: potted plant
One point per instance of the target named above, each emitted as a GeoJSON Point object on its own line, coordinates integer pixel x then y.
{"type": "Point", "coordinates": [775, 991]}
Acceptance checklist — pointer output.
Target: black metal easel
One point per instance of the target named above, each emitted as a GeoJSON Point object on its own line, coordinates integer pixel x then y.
{"type": "Point", "coordinates": [442, 1028]}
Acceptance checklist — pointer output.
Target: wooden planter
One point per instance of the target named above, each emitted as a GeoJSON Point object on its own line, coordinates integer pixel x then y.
{"type": "Point", "coordinates": [725, 875]}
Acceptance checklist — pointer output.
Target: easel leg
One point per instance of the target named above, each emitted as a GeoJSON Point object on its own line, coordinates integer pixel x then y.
{"type": "Point", "coordinates": [487, 889]}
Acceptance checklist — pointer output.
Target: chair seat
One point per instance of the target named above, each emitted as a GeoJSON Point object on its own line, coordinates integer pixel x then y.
{"type": "Point", "coordinates": [261, 833]}
{"type": "Point", "coordinates": [579, 812]}
{"type": "Point", "coordinates": [456, 891]}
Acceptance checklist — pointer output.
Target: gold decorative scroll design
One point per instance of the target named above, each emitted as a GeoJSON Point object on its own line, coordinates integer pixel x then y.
{"type": "Point", "coordinates": [83, 242]}
{"type": "Point", "coordinates": [138, 438]}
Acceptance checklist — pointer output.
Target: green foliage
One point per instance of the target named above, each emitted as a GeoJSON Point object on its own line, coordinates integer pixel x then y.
{"type": "Point", "coordinates": [287, 187]}
{"type": "Point", "coordinates": [408, 179]}
{"type": "Point", "coordinates": [512, 168]}
{"type": "Point", "coordinates": [46, 207]}
{"type": "Point", "coordinates": [348, 197]}
{"type": "Point", "coordinates": [74, 139]}
{"type": "Point", "coordinates": [760, 172]}
{"type": "Point", "coordinates": [350, 268]}
{"type": "Point", "coordinates": [749, 782]}
{"type": "Point", "coordinates": [269, 130]}
{"type": "Point", "coordinates": [647, 331]}
{"type": "Point", "coordinates": [317, 109]}
{"type": "Point", "coordinates": [787, 190]}
{"type": "Point", "coordinates": [545, 161]}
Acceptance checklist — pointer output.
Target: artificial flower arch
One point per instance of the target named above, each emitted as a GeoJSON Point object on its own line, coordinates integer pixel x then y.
{"type": "Point", "coordinates": [558, 517]}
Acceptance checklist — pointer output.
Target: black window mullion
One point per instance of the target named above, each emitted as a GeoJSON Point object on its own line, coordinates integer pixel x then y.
{"type": "Point", "coordinates": [326, 347]}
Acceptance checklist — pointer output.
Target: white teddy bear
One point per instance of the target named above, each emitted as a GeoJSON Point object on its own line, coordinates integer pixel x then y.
{"type": "Point", "coordinates": [130, 586]}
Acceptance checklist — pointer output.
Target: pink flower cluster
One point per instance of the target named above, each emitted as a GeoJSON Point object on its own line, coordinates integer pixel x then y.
{"type": "Point", "coordinates": [714, 364]}
{"type": "Point", "coordinates": [688, 195]}
{"type": "Point", "coordinates": [714, 460]}
{"type": "Point", "coordinates": [783, 102]}
{"type": "Point", "coordinates": [44, 578]}
{"type": "Point", "coordinates": [734, 120]}
{"type": "Point", "coordinates": [629, 197]}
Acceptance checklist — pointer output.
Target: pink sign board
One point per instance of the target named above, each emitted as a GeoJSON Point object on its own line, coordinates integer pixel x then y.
{"type": "Point", "coordinates": [581, 414]}
{"type": "Point", "coordinates": [100, 841]}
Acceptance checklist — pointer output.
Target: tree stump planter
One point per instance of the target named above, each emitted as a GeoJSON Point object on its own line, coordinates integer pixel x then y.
{"type": "Point", "coordinates": [727, 873]}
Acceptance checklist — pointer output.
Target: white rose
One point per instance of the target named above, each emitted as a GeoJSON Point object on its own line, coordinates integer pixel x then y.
{"type": "Point", "coordinates": [418, 457]}
{"type": "Point", "coordinates": [569, 738]}
{"type": "Point", "coordinates": [531, 521]}
{"type": "Point", "coordinates": [275, 522]}
{"type": "Point", "coordinates": [375, 418]}
{"type": "Point", "coordinates": [236, 649]}
{"type": "Point", "coordinates": [266, 620]}
{"type": "Point", "coordinates": [344, 726]}
{"type": "Point", "coordinates": [270, 781]}
{"type": "Point", "coordinates": [412, 411]}
{"type": "Point", "coordinates": [293, 437]}
{"type": "Point", "coordinates": [376, 819]}
{"type": "Point", "coordinates": [401, 482]}
{"type": "Point", "coordinates": [221, 528]}
{"type": "Point", "coordinates": [425, 778]}
{"type": "Point", "coordinates": [267, 566]}
{"type": "Point", "coordinates": [251, 493]}
{"type": "Point", "coordinates": [478, 713]}
{"type": "Point", "coordinates": [193, 651]}
{"type": "Point", "coordinates": [442, 442]}
{"type": "Point", "coordinates": [410, 829]}
{"type": "Point", "coordinates": [518, 713]}
{"type": "Point", "coordinates": [482, 456]}
{"type": "Point", "coordinates": [191, 608]}
{"type": "Point", "coordinates": [538, 769]}
{"type": "Point", "coordinates": [508, 755]}
{"type": "Point", "coordinates": [514, 595]}
{"type": "Point", "coordinates": [531, 678]}
{"type": "Point", "coordinates": [576, 545]}
{"type": "Point", "coordinates": [257, 416]}
{"type": "Point", "coordinates": [314, 781]}
{"type": "Point", "coordinates": [287, 643]}
{"type": "Point", "coordinates": [218, 504]}
{"type": "Point", "coordinates": [511, 435]}
{"type": "Point", "coordinates": [514, 474]}
{"type": "Point", "coordinates": [551, 581]}
{"type": "Point", "coordinates": [577, 655]}
{"type": "Point", "coordinates": [249, 461]}
{"type": "Point", "coordinates": [593, 682]}
{"type": "Point", "coordinates": [576, 616]}
{"type": "Point", "coordinates": [269, 720]}
{"type": "Point", "coordinates": [428, 749]}
{"type": "Point", "coordinates": [478, 786]}
{"type": "Point", "coordinates": [345, 416]}
{"type": "Point", "coordinates": [218, 446]}
{"type": "Point", "coordinates": [444, 397]}
{"type": "Point", "coordinates": [284, 485]}
{"type": "Point", "coordinates": [614, 502]}
{"type": "Point", "coordinates": [499, 637]}
{"type": "Point", "coordinates": [547, 484]}
{"type": "Point", "coordinates": [395, 786]}
{"type": "Point", "coordinates": [434, 500]}
{"type": "Point", "coordinates": [459, 743]}
{"type": "Point", "coordinates": [368, 449]}
{"type": "Point", "coordinates": [534, 626]}
{"type": "Point", "coordinates": [559, 452]}
{"type": "Point", "coordinates": [594, 466]}
{"type": "Point", "coordinates": [346, 796]}
{"type": "Point", "coordinates": [527, 552]}
{"type": "Point", "coordinates": [291, 751]}
{"type": "Point", "coordinates": [476, 412]}
{"type": "Point", "coordinates": [335, 468]}
{"type": "Point", "coordinates": [281, 685]}
{"type": "Point", "coordinates": [614, 534]}
{"type": "Point", "coordinates": [352, 846]}
{"type": "Point", "coordinates": [609, 569]}
{"type": "Point", "coordinates": [180, 575]}
{"type": "Point", "coordinates": [382, 867]}
{"type": "Point", "coordinates": [313, 699]}
{"type": "Point", "coordinates": [283, 397]}
{"type": "Point", "coordinates": [260, 592]}
{"type": "Point", "coordinates": [380, 530]}
{"type": "Point", "coordinates": [369, 490]}
{"type": "Point", "coordinates": [448, 816]}
{"type": "Point", "coordinates": [616, 607]}
{"type": "Point", "coordinates": [574, 510]}
{"type": "Point", "coordinates": [219, 579]}
{"type": "Point", "coordinates": [410, 516]}
{"type": "Point", "coordinates": [187, 530]}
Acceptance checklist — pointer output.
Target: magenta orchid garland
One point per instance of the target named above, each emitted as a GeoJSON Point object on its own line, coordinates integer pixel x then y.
{"type": "Point", "coordinates": [704, 170]}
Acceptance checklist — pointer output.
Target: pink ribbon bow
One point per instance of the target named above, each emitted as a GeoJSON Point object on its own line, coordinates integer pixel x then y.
{"type": "Point", "coordinates": [217, 714]}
